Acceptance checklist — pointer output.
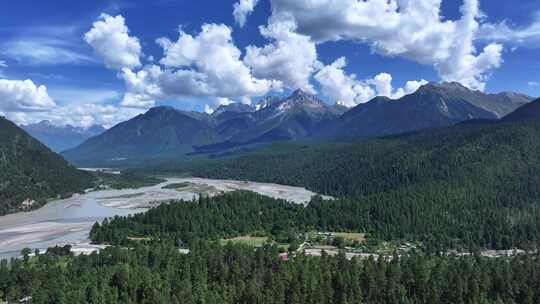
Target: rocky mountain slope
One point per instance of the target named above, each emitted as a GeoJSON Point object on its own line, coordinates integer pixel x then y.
{"type": "Point", "coordinates": [431, 106]}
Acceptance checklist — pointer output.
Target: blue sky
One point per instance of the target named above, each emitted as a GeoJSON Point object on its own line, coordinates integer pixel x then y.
{"type": "Point", "coordinates": [121, 69]}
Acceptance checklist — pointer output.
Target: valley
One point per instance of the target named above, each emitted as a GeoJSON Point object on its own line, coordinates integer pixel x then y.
{"type": "Point", "coordinates": [69, 221]}
{"type": "Point", "coordinates": [431, 207]}
{"type": "Point", "coordinates": [270, 152]}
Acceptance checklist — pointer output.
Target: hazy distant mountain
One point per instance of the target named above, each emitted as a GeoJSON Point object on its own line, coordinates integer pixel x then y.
{"type": "Point", "coordinates": [160, 132]}
{"type": "Point", "coordinates": [530, 111]}
{"type": "Point", "coordinates": [431, 106]}
{"type": "Point", "coordinates": [32, 173]}
{"type": "Point", "coordinates": [60, 138]}
{"type": "Point", "coordinates": [165, 132]}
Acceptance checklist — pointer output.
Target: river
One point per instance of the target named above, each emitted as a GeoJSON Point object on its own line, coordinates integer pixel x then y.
{"type": "Point", "coordinates": [69, 221]}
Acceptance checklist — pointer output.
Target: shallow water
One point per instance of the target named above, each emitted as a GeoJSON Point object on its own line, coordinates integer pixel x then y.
{"type": "Point", "coordinates": [70, 220]}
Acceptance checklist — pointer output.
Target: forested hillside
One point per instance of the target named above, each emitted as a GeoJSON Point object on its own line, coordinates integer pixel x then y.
{"type": "Point", "coordinates": [473, 185]}
{"type": "Point", "coordinates": [31, 173]}
{"type": "Point", "coordinates": [478, 156]}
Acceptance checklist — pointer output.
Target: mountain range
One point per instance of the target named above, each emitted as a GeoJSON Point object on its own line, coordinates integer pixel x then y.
{"type": "Point", "coordinates": [60, 138]}
{"type": "Point", "coordinates": [431, 106]}
{"type": "Point", "coordinates": [165, 132]}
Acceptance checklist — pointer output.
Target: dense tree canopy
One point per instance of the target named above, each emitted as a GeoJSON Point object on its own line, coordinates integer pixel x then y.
{"type": "Point", "coordinates": [212, 273]}
{"type": "Point", "coordinates": [477, 225]}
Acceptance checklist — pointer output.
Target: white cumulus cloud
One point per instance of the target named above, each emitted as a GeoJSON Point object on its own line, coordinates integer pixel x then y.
{"type": "Point", "coordinates": [142, 87]}
{"type": "Point", "coordinates": [464, 64]}
{"type": "Point", "coordinates": [213, 54]}
{"type": "Point", "coordinates": [291, 58]}
{"type": "Point", "coordinates": [204, 65]}
{"type": "Point", "coordinates": [413, 29]}
{"type": "Point", "coordinates": [110, 39]}
{"type": "Point", "coordinates": [383, 85]}
{"type": "Point", "coordinates": [146, 86]}
{"type": "Point", "coordinates": [412, 86]}
{"type": "Point", "coordinates": [242, 9]}
{"type": "Point", "coordinates": [347, 90]}
{"type": "Point", "coordinates": [24, 96]}
{"type": "Point", "coordinates": [342, 88]}
{"type": "Point", "coordinates": [24, 102]}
